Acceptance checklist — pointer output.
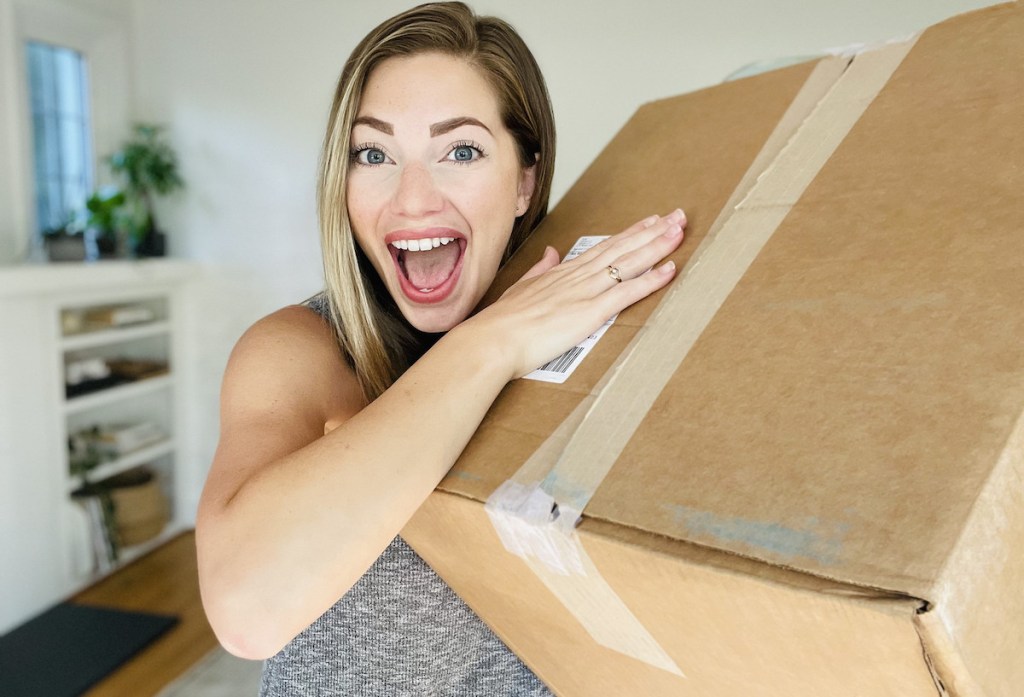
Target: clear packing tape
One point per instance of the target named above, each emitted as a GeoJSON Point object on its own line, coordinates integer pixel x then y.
{"type": "Point", "coordinates": [535, 513]}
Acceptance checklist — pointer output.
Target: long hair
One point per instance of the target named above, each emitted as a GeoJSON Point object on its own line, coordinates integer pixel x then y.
{"type": "Point", "coordinates": [375, 338]}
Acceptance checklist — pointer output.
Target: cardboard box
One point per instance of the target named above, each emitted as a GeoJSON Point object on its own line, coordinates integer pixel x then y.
{"type": "Point", "coordinates": [800, 467]}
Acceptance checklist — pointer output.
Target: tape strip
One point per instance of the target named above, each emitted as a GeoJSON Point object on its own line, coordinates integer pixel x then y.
{"type": "Point", "coordinates": [535, 513]}
{"type": "Point", "coordinates": [543, 534]}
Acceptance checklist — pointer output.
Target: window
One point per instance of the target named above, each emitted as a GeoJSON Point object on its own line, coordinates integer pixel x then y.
{"type": "Point", "coordinates": [61, 142]}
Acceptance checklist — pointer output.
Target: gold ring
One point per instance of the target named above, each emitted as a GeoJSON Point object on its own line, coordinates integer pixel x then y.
{"type": "Point", "coordinates": [613, 271]}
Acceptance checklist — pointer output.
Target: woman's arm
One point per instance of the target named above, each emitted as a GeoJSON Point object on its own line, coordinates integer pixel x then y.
{"type": "Point", "coordinates": [290, 517]}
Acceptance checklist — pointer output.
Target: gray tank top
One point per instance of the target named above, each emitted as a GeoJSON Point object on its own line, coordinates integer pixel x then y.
{"type": "Point", "coordinates": [400, 631]}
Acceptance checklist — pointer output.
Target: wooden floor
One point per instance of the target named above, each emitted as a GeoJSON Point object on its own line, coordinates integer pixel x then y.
{"type": "Point", "coordinates": [163, 581]}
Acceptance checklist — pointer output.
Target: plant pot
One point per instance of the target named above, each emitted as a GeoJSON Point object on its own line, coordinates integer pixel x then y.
{"type": "Point", "coordinates": [64, 247]}
{"type": "Point", "coordinates": [154, 244]}
{"type": "Point", "coordinates": [107, 246]}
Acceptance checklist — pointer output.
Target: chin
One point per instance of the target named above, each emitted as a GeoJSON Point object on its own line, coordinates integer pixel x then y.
{"type": "Point", "coordinates": [433, 320]}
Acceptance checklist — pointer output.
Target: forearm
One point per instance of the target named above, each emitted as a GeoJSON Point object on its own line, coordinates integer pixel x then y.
{"type": "Point", "coordinates": [302, 530]}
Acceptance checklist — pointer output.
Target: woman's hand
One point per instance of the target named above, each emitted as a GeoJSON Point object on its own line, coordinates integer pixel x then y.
{"type": "Point", "coordinates": [554, 306]}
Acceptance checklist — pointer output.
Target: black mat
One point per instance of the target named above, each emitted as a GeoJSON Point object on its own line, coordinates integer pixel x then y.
{"type": "Point", "coordinates": [69, 648]}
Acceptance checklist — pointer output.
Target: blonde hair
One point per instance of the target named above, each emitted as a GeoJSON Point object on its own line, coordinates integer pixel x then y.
{"type": "Point", "coordinates": [377, 341]}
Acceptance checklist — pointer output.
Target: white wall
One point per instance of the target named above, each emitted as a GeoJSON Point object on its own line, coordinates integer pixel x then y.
{"type": "Point", "coordinates": [12, 189]}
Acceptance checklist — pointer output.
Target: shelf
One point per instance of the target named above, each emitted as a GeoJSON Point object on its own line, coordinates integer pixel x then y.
{"type": "Point", "coordinates": [130, 554]}
{"type": "Point", "coordinates": [125, 462]}
{"type": "Point", "coordinates": [115, 394]}
{"type": "Point", "coordinates": [103, 337]}
{"type": "Point", "coordinates": [69, 279]}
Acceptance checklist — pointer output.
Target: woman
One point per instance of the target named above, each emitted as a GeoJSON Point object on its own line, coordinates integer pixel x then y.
{"type": "Point", "coordinates": [340, 417]}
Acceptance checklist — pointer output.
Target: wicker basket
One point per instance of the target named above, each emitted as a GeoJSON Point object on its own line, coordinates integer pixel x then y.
{"type": "Point", "coordinates": [140, 507]}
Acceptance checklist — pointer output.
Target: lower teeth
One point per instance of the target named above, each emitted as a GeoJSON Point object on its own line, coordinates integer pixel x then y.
{"type": "Point", "coordinates": [426, 290]}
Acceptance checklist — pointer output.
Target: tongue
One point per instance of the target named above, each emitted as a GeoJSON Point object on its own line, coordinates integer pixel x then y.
{"type": "Point", "coordinates": [428, 270]}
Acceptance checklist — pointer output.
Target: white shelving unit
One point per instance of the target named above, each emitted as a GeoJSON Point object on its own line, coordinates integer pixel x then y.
{"type": "Point", "coordinates": [112, 395]}
{"type": "Point", "coordinates": [101, 337]}
{"type": "Point", "coordinates": [51, 555]}
{"type": "Point", "coordinates": [124, 463]}
{"type": "Point", "coordinates": [147, 400]}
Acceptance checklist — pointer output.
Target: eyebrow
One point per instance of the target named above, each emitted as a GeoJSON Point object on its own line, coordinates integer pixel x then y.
{"type": "Point", "coordinates": [449, 125]}
{"type": "Point", "coordinates": [437, 129]}
{"type": "Point", "coordinates": [382, 126]}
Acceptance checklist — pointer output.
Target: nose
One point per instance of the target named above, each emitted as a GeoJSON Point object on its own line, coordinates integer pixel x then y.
{"type": "Point", "coordinates": [417, 194]}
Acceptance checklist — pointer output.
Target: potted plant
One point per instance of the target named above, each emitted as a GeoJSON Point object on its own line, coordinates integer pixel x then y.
{"type": "Point", "coordinates": [104, 220]}
{"type": "Point", "coordinates": [148, 167]}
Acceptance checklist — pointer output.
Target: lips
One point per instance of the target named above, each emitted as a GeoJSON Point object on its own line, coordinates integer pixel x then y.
{"type": "Point", "coordinates": [428, 262]}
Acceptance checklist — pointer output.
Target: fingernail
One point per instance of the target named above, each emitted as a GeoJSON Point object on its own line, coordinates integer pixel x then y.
{"type": "Point", "coordinates": [668, 267]}
{"type": "Point", "coordinates": [674, 231]}
{"type": "Point", "coordinates": [650, 221]}
{"type": "Point", "coordinates": [676, 216]}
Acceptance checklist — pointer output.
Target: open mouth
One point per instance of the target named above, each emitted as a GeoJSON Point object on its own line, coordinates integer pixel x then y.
{"type": "Point", "coordinates": [428, 267]}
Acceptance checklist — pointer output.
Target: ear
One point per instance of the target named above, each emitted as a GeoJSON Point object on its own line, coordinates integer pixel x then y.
{"type": "Point", "coordinates": [527, 182]}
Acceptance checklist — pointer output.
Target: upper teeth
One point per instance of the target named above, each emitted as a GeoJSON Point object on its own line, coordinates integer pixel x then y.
{"type": "Point", "coordinates": [421, 245]}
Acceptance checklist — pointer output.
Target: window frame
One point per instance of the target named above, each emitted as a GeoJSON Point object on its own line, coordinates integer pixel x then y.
{"type": "Point", "coordinates": [49, 112]}
{"type": "Point", "coordinates": [103, 42]}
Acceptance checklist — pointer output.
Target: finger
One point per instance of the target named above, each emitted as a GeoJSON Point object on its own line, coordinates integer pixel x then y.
{"type": "Point", "coordinates": [638, 260]}
{"type": "Point", "coordinates": [637, 263]}
{"type": "Point", "coordinates": [629, 241]}
{"type": "Point", "coordinates": [548, 260]}
{"type": "Point", "coordinates": [624, 294]}
{"type": "Point", "coordinates": [633, 237]}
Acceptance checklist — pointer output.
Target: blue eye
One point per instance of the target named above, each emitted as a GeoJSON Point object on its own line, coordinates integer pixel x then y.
{"type": "Point", "coordinates": [464, 152]}
{"type": "Point", "coordinates": [369, 155]}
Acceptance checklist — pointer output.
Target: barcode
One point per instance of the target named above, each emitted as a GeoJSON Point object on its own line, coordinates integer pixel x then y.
{"type": "Point", "coordinates": [562, 363]}
{"type": "Point", "coordinates": [558, 370]}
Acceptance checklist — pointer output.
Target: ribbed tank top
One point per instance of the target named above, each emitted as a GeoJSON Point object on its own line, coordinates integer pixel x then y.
{"type": "Point", "coordinates": [400, 631]}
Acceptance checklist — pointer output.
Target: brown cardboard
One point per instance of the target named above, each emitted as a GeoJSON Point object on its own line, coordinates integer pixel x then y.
{"type": "Point", "coordinates": [823, 494]}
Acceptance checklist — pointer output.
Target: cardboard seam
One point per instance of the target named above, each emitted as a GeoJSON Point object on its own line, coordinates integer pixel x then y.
{"type": "Point", "coordinates": [929, 662]}
{"type": "Point", "coordinates": [982, 504]}
{"type": "Point", "coordinates": [855, 590]}
{"type": "Point", "coordinates": [942, 658]}
{"type": "Point", "coordinates": [950, 589]}
{"type": "Point", "coordinates": [878, 591]}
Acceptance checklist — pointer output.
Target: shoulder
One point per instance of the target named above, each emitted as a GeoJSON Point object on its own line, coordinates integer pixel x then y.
{"type": "Point", "coordinates": [295, 328]}
{"type": "Point", "coordinates": [291, 359]}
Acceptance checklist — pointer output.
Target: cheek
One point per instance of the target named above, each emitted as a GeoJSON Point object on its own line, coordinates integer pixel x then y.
{"type": "Point", "coordinates": [486, 202]}
{"type": "Point", "coordinates": [358, 199]}
{"type": "Point", "coordinates": [363, 210]}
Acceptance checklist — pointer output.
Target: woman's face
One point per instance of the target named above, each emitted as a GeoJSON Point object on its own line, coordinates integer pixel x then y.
{"type": "Point", "coordinates": [434, 185]}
